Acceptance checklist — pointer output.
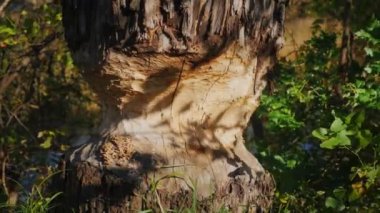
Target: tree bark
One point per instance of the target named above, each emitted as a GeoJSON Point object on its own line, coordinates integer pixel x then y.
{"type": "Point", "coordinates": [179, 81]}
{"type": "Point", "coordinates": [347, 39]}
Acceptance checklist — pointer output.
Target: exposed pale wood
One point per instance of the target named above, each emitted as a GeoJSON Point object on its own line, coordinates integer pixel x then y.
{"type": "Point", "coordinates": [179, 81]}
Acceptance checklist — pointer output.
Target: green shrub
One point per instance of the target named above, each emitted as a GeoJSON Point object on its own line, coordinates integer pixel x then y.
{"type": "Point", "coordinates": [322, 133]}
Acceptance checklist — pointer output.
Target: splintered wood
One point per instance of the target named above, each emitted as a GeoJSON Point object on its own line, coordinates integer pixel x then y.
{"type": "Point", "coordinates": [116, 151]}
{"type": "Point", "coordinates": [179, 81]}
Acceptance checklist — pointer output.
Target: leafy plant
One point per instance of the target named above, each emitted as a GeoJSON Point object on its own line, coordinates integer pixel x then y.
{"type": "Point", "coordinates": [322, 143]}
{"type": "Point", "coordinates": [35, 200]}
{"type": "Point", "coordinates": [44, 101]}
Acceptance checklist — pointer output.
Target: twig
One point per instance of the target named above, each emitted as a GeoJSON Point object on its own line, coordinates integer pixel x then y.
{"type": "Point", "coordinates": [3, 6]}
{"type": "Point", "coordinates": [1, 119]}
{"type": "Point", "coordinates": [6, 81]}
{"type": "Point", "coordinates": [4, 178]}
{"type": "Point", "coordinates": [19, 122]}
{"type": "Point", "coordinates": [174, 166]}
{"type": "Point", "coordinates": [356, 155]}
{"type": "Point", "coordinates": [159, 202]}
{"type": "Point", "coordinates": [177, 85]}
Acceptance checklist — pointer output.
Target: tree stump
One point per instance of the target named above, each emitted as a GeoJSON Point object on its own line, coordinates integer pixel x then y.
{"type": "Point", "coordinates": [179, 81]}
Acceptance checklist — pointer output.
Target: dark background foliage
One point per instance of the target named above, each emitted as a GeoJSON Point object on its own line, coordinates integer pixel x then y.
{"type": "Point", "coordinates": [44, 101]}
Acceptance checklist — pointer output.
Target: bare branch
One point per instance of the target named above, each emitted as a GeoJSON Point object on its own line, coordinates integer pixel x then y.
{"type": "Point", "coordinates": [3, 6]}
{"type": "Point", "coordinates": [6, 191]}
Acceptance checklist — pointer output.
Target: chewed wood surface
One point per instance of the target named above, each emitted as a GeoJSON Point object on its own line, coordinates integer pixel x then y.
{"type": "Point", "coordinates": [179, 81]}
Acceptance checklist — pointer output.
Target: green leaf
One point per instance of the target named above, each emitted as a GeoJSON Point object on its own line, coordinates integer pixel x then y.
{"type": "Point", "coordinates": [364, 35]}
{"type": "Point", "coordinates": [339, 140]}
{"type": "Point", "coordinates": [334, 203]}
{"type": "Point", "coordinates": [354, 195]}
{"type": "Point", "coordinates": [347, 132]}
{"type": "Point", "coordinates": [368, 69]}
{"type": "Point", "coordinates": [47, 143]}
{"type": "Point", "coordinates": [365, 138]}
{"type": "Point", "coordinates": [363, 95]}
{"type": "Point", "coordinates": [372, 174]}
{"type": "Point", "coordinates": [349, 117]}
{"type": "Point", "coordinates": [340, 193]}
{"type": "Point", "coordinates": [331, 202]}
{"type": "Point", "coordinates": [320, 193]}
{"type": "Point", "coordinates": [7, 31]}
{"type": "Point", "coordinates": [280, 159]}
{"type": "Point", "coordinates": [320, 133]}
{"type": "Point", "coordinates": [343, 139]}
{"type": "Point", "coordinates": [263, 153]}
{"type": "Point", "coordinates": [360, 118]}
{"type": "Point", "coordinates": [330, 143]}
{"type": "Point", "coordinates": [337, 125]}
{"type": "Point", "coordinates": [374, 25]}
{"type": "Point", "coordinates": [291, 164]}
{"type": "Point", "coordinates": [368, 51]}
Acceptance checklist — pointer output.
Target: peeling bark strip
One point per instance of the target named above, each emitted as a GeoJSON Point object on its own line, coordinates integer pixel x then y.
{"type": "Point", "coordinates": [169, 26]}
{"type": "Point", "coordinates": [179, 80]}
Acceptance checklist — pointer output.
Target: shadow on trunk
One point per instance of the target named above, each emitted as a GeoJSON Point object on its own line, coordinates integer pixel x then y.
{"type": "Point", "coordinates": [179, 81]}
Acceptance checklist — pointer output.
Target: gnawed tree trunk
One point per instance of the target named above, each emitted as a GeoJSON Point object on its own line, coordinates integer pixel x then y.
{"type": "Point", "coordinates": [179, 80]}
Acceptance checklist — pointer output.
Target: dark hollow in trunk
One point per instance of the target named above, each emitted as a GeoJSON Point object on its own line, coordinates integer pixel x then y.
{"type": "Point", "coordinates": [179, 80]}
